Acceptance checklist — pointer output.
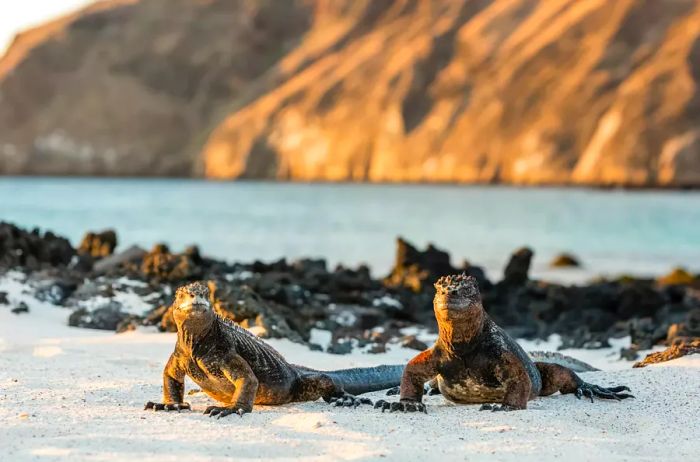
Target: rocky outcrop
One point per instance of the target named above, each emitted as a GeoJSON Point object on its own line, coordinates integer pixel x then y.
{"type": "Point", "coordinates": [417, 270]}
{"type": "Point", "coordinates": [680, 276]}
{"type": "Point", "coordinates": [288, 300]}
{"type": "Point", "coordinates": [414, 273]}
{"type": "Point", "coordinates": [516, 271]}
{"type": "Point", "coordinates": [515, 91]}
{"type": "Point", "coordinates": [98, 245]}
{"type": "Point", "coordinates": [162, 265]}
{"type": "Point", "coordinates": [32, 249]}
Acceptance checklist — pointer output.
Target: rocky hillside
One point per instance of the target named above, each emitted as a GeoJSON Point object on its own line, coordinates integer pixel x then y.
{"type": "Point", "coordinates": [515, 91]}
{"type": "Point", "coordinates": [129, 87]}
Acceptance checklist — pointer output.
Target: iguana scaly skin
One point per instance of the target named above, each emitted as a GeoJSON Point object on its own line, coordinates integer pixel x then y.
{"type": "Point", "coordinates": [475, 361]}
{"type": "Point", "coordinates": [238, 369]}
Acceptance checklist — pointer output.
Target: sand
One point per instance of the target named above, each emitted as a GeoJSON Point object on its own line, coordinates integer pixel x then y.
{"type": "Point", "coordinates": [76, 394]}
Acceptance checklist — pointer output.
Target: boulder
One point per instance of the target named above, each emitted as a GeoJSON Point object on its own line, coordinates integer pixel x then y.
{"type": "Point", "coordinates": [686, 330]}
{"type": "Point", "coordinates": [679, 276]}
{"type": "Point", "coordinates": [20, 308]}
{"type": "Point", "coordinates": [106, 316]}
{"type": "Point", "coordinates": [629, 354]}
{"type": "Point", "coordinates": [132, 255]}
{"type": "Point", "coordinates": [33, 250]}
{"type": "Point", "coordinates": [244, 306]}
{"type": "Point", "coordinates": [341, 347]}
{"type": "Point", "coordinates": [412, 342]}
{"type": "Point", "coordinates": [583, 338]}
{"type": "Point", "coordinates": [639, 299]}
{"type": "Point", "coordinates": [98, 244]}
{"type": "Point", "coordinates": [55, 291]}
{"type": "Point", "coordinates": [518, 267]}
{"type": "Point", "coordinates": [645, 332]}
{"type": "Point", "coordinates": [565, 260]}
{"type": "Point", "coordinates": [418, 270]}
{"type": "Point", "coordinates": [161, 264]}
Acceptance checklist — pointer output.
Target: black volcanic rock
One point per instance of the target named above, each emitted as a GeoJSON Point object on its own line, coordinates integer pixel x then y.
{"type": "Point", "coordinates": [417, 270]}
{"type": "Point", "coordinates": [287, 300]}
{"type": "Point", "coordinates": [517, 269]}
{"type": "Point", "coordinates": [242, 304]}
{"type": "Point", "coordinates": [639, 299]}
{"type": "Point", "coordinates": [107, 316]}
{"type": "Point", "coordinates": [33, 250]}
{"type": "Point", "coordinates": [20, 308]}
{"type": "Point", "coordinates": [55, 290]}
{"type": "Point", "coordinates": [161, 264]}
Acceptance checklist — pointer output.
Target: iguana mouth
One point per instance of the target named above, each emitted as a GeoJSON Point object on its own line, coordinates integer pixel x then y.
{"type": "Point", "coordinates": [194, 307]}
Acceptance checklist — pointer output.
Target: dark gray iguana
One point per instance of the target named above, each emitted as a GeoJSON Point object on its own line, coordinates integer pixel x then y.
{"type": "Point", "coordinates": [238, 369]}
{"type": "Point", "coordinates": [475, 361]}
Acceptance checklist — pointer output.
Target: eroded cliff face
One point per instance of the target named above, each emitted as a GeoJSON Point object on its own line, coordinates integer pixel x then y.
{"type": "Point", "coordinates": [516, 91]}
{"type": "Point", "coordinates": [131, 87]}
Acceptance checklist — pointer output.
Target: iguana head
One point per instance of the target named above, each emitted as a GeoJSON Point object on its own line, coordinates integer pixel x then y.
{"type": "Point", "coordinates": [456, 294]}
{"type": "Point", "coordinates": [192, 304]}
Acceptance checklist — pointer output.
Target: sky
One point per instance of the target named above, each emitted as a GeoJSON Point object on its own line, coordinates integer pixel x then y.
{"type": "Point", "coordinates": [16, 16]}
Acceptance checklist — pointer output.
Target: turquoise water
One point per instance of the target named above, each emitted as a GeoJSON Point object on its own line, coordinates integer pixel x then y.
{"type": "Point", "coordinates": [642, 232]}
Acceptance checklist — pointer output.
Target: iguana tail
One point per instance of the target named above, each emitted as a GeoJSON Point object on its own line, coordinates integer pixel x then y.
{"type": "Point", "coordinates": [563, 360]}
{"type": "Point", "coordinates": [365, 379]}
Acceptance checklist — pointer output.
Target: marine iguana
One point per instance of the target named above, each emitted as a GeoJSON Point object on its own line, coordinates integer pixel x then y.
{"type": "Point", "coordinates": [238, 369]}
{"type": "Point", "coordinates": [475, 361]}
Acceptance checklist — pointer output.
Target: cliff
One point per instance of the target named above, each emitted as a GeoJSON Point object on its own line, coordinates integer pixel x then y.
{"type": "Point", "coordinates": [513, 91]}
{"type": "Point", "coordinates": [131, 87]}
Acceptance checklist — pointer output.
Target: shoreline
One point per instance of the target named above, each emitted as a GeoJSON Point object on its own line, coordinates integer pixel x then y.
{"type": "Point", "coordinates": [355, 224]}
{"type": "Point", "coordinates": [613, 188]}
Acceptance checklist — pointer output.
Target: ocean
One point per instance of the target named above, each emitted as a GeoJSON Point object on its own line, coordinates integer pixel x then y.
{"type": "Point", "coordinates": [611, 231]}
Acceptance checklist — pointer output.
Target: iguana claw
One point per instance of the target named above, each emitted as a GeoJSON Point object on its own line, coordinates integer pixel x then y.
{"type": "Point", "coordinates": [427, 389]}
{"type": "Point", "coordinates": [348, 400]}
{"type": "Point", "coordinates": [590, 391]}
{"type": "Point", "coordinates": [222, 411]}
{"type": "Point", "coordinates": [497, 408]}
{"type": "Point", "coordinates": [166, 406]}
{"type": "Point", "coordinates": [401, 406]}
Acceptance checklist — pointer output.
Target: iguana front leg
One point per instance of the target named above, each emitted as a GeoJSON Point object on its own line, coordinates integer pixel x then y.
{"type": "Point", "coordinates": [239, 373]}
{"type": "Point", "coordinates": [173, 387]}
{"type": "Point", "coordinates": [418, 371]}
{"type": "Point", "coordinates": [431, 388]}
{"type": "Point", "coordinates": [518, 386]}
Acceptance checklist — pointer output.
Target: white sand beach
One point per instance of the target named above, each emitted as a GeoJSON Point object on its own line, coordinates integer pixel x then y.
{"type": "Point", "coordinates": [76, 394]}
